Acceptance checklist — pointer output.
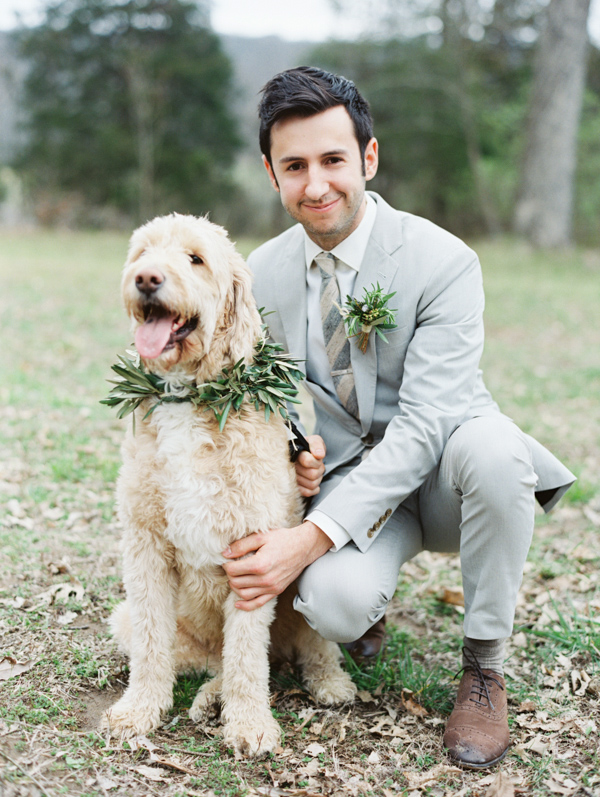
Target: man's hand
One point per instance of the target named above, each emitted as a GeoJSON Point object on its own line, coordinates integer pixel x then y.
{"type": "Point", "coordinates": [309, 466]}
{"type": "Point", "coordinates": [279, 557]}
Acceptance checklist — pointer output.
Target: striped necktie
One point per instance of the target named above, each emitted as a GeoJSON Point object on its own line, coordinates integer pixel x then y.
{"type": "Point", "coordinates": [337, 344]}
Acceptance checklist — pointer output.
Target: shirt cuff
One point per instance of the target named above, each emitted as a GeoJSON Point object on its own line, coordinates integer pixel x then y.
{"type": "Point", "coordinates": [336, 533]}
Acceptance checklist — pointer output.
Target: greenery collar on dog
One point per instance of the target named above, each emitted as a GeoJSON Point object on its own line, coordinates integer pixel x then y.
{"type": "Point", "coordinates": [270, 381]}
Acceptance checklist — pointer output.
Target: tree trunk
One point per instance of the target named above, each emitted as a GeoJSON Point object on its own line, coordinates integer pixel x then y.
{"type": "Point", "coordinates": [544, 207]}
{"type": "Point", "coordinates": [140, 93]}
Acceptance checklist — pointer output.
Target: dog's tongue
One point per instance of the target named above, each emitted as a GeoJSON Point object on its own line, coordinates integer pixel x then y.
{"type": "Point", "coordinates": [152, 337]}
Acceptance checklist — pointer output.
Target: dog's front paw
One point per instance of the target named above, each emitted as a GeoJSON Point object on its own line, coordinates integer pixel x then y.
{"type": "Point", "coordinates": [205, 702]}
{"type": "Point", "coordinates": [255, 738]}
{"type": "Point", "coordinates": [334, 689]}
{"type": "Point", "coordinates": [129, 718]}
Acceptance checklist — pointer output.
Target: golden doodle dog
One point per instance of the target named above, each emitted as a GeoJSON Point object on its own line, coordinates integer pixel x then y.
{"type": "Point", "coordinates": [187, 490]}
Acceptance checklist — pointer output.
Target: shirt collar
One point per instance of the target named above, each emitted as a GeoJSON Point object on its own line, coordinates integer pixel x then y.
{"type": "Point", "coordinates": [351, 250]}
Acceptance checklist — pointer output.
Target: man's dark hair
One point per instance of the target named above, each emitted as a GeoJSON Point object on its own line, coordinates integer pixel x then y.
{"type": "Point", "coordinates": [305, 91]}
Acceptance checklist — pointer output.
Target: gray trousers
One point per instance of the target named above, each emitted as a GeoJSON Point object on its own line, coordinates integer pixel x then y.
{"type": "Point", "coordinates": [478, 501]}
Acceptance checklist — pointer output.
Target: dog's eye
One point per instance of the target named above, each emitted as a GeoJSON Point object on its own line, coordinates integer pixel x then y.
{"type": "Point", "coordinates": [196, 260]}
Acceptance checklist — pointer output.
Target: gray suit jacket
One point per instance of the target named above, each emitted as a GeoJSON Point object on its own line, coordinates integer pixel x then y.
{"type": "Point", "coordinates": [414, 391]}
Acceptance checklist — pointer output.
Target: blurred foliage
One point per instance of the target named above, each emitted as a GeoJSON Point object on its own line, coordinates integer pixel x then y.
{"type": "Point", "coordinates": [448, 83]}
{"type": "Point", "coordinates": [127, 106]}
{"type": "Point", "coordinates": [129, 112]}
{"type": "Point", "coordinates": [587, 181]}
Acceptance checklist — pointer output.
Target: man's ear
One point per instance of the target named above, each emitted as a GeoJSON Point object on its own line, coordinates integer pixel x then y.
{"type": "Point", "coordinates": [271, 173]}
{"type": "Point", "coordinates": [371, 159]}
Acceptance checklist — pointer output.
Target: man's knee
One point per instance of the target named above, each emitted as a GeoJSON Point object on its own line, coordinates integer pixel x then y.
{"type": "Point", "coordinates": [339, 609]}
{"type": "Point", "coordinates": [490, 452]}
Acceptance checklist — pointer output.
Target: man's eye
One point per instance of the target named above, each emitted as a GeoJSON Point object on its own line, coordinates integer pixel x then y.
{"type": "Point", "coordinates": [196, 260]}
{"type": "Point", "coordinates": [294, 167]}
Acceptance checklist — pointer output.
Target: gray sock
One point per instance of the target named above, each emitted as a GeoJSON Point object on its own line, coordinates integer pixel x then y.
{"type": "Point", "coordinates": [488, 652]}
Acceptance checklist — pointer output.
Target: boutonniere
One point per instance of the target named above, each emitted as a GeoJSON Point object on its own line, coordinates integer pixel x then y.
{"type": "Point", "coordinates": [371, 312]}
{"type": "Point", "coordinates": [268, 382]}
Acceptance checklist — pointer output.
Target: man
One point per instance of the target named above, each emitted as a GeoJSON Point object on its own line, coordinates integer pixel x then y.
{"type": "Point", "coordinates": [418, 454]}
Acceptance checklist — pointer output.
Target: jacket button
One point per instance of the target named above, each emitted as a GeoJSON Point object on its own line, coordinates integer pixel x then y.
{"type": "Point", "coordinates": [388, 512]}
{"type": "Point", "coordinates": [368, 439]}
{"type": "Point", "coordinates": [376, 525]}
{"type": "Point", "coordinates": [370, 533]}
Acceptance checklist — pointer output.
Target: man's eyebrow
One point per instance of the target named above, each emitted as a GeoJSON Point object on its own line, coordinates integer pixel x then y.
{"type": "Point", "coordinates": [292, 158]}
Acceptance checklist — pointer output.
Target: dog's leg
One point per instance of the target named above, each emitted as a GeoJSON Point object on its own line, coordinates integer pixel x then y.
{"type": "Point", "coordinates": [319, 661]}
{"type": "Point", "coordinates": [207, 698]}
{"type": "Point", "coordinates": [250, 728]}
{"type": "Point", "coordinates": [150, 584]}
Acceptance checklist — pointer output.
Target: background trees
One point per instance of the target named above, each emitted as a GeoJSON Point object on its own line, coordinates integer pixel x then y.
{"type": "Point", "coordinates": [545, 204]}
{"type": "Point", "coordinates": [128, 105]}
{"type": "Point", "coordinates": [449, 83]}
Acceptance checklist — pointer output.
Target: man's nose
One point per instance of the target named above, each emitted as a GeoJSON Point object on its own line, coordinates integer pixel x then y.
{"type": "Point", "coordinates": [317, 184]}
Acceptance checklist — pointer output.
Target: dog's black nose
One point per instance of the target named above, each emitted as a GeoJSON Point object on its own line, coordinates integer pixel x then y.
{"type": "Point", "coordinates": [148, 280]}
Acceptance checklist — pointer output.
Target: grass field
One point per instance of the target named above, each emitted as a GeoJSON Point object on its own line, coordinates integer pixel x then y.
{"type": "Point", "coordinates": [61, 327]}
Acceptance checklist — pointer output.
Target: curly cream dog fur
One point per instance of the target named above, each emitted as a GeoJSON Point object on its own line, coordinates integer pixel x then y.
{"type": "Point", "coordinates": [187, 490]}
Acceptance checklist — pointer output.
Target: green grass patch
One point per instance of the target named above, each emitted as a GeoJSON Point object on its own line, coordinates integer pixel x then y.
{"type": "Point", "coordinates": [397, 667]}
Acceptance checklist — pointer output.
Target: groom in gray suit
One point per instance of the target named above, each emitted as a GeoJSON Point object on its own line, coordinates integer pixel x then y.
{"type": "Point", "coordinates": [410, 452]}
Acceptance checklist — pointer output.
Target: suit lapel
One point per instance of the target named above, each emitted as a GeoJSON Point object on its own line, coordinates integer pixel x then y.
{"type": "Point", "coordinates": [378, 266]}
{"type": "Point", "coordinates": [291, 297]}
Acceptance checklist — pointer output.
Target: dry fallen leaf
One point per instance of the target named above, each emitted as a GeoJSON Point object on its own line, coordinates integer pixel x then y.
{"type": "Point", "coordinates": [454, 596]}
{"type": "Point", "coordinates": [418, 780]}
{"type": "Point", "coordinates": [66, 618]}
{"type": "Point", "coordinates": [10, 668]}
{"type": "Point", "coordinates": [527, 705]}
{"type": "Point", "coordinates": [365, 697]}
{"type": "Point", "coordinates": [314, 749]}
{"type": "Point", "coordinates": [411, 705]}
{"type": "Point", "coordinates": [152, 773]}
{"type": "Point", "coordinates": [310, 769]}
{"type": "Point", "coordinates": [59, 568]}
{"type": "Point", "coordinates": [501, 786]}
{"type": "Point", "coordinates": [537, 745]}
{"type": "Point", "coordinates": [173, 764]}
{"type": "Point", "coordinates": [142, 743]}
{"type": "Point", "coordinates": [373, 757]}
{"type": "Point", "coordinates": [560, 784]}
{"type": "Point", "coordinates": [579, 682]}
{"type": "Point", "coordinates": [106, 783]}
{"type": "Point", "coordinates": [62, 592]}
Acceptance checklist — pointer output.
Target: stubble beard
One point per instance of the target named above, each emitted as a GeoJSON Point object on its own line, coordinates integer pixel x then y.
{"type": "Point", "coordinates": [330, 237]}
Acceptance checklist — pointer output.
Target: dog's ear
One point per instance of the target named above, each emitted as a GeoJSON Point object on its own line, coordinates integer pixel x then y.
{"type": "Point", "coordinates": [241, 318]}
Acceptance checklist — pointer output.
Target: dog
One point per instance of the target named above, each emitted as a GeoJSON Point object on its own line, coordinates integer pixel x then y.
{"type": "Point", "coordinates": [187, 490]}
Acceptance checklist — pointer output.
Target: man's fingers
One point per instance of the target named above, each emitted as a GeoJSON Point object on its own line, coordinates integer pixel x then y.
{"type": "Point", "coordinates": [317, 445]}
{"type": "Point", "coordinates": [309, 484]}
{"type": "Point", "coordinates": [310, 473]}
{"type": "Point", "coordinates": [239, 568]}
{"type": "Point", "coordinates": [306, 492]}
{"type": "Point", "coordinates": [245, 546]}
{"type": "Point", "coordinates": [248, 606]}
{"type": "Point", "coordinates": [307, 460]}
{"type": "Point", "coordinates": [250, 593]}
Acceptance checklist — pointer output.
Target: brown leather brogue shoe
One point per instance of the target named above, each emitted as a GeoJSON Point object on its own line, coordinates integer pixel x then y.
{"type": "Point", "coordinates": [477, 735]}
{"type": "Point", "coordinates": [370, 644]}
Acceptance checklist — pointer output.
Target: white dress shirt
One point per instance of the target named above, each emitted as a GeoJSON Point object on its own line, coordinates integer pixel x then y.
{"type": "Point", "coordinates": [349, 253]}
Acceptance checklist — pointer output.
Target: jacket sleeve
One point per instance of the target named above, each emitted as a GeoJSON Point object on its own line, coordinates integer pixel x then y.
{"type": "Point", "coordinates": [438, 381]}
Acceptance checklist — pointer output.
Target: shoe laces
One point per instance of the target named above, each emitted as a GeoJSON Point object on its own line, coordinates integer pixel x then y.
{"type": "Point", "coordinates": [479, 687]}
